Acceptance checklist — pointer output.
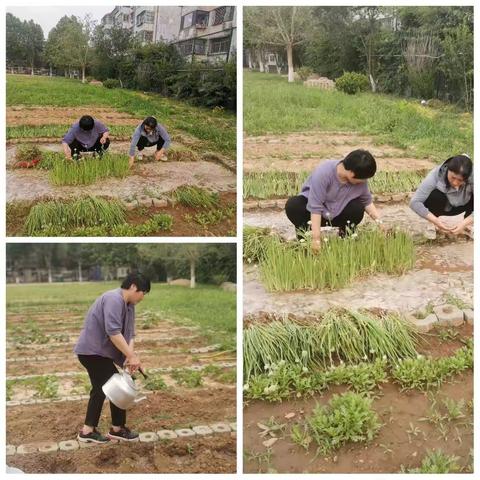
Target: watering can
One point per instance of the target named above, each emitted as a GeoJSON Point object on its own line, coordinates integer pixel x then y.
{"type": "Point", "coordinates": [121, 390]}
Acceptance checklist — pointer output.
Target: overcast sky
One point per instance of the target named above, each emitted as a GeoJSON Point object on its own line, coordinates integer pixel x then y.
{"type": "Point", "coordinates": [48, 16]}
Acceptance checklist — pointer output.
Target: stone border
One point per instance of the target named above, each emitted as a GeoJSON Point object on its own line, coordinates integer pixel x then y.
{"type": "Point", "coordinates": [197, 431]}
{"type": "Point", "coordinates": [446, 315]}
{"type": "Point", "coordinates": [279, 203]}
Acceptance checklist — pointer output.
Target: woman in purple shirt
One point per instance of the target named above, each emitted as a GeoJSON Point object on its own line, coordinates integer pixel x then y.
{"type": "Point", "coordinates": [87, 135]}
{"type": "Point", "coordinates": [107, 340]}
{"type": "Point", "coordinates": [335, 194]}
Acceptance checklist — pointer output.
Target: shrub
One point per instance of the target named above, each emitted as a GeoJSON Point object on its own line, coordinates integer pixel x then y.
{"type": "Point", "coordinates": [27, 152]}
{"type": "Point", "coordinates": [111, 83]}
{"type": "Point", "coordinates": [304, 73]}
{"type": "Point", "coordinates": [352, 82]}
{"type": "Point", "coordinates": [89, 78]}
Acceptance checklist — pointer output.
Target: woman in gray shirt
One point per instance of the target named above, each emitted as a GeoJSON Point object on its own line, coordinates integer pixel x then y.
{"type": "Point", "coordinates": [148, 134]}
{"type": "Point", "coordinates": [446, 191]}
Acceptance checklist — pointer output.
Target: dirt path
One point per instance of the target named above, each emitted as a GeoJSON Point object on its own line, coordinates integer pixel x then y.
{"type": "Point", "coordinates": [23, 115]}
{"type": "Point", "coordinates": [158, 177]}
{"type": "Point", "coordinates": [305, 150]}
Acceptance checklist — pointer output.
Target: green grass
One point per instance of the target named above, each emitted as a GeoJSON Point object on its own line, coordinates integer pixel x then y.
{"type": "Point", "coordinates": [286, 184]}
{"type": "Point", "coordinates": [58, 131]}
{"type": "Point", "coordinates": [437, 462]}
{"type": "Point", "coordinates": [337, 335]}
{"type": "Point", "coordinates": [272, 105]}
{"type": "Point", "coordinates": [288, 266]}
{"type": "Point", "coordinates": [215, 128]}
{"type": "Point", "coordinates": [56, 216]}
{"type": "Point", "coordinates": [88, 170]}
{"type": "Point", "coordinates": [208, 307]}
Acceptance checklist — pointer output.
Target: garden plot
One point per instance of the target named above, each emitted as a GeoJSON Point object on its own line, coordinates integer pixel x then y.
{"type": "Point", "coordinates": [306, 150]}
{"type": "Point", "coordinates": [350, 391]}
{"type": "Point", "coordinates": [188, 375]}
{"type": "Point", "coordinates": [197, 157]}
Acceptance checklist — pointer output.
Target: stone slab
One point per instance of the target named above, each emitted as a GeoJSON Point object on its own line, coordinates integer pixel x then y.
{"type": "Point", "coordinates": [424, 325]}
{"type": "Point", "coordinates": [68, 445]}
{"type": "Point", "coordinates": [47, 447]}
{"type": "Point", "coordinates": [233, 426]}
{"type": "Point", "coordinates": [185, 432]}
{"type": "Point", "coordinates": [27, 448]}
{"type": "Point", "coordinates": [220, 427]}
{"type": "Point", "coordinates": [160, 202]}
{"type": "Point", "coordinates": [449, 315]}
{"type": "Point", "coordinates": [166, 434]}
{"type": "Point", "coordinates": [11, 450]}
{"type": "Point", "coordinates": [202, 430]}
{"type": "Point", "coordinates": [148, 437]}
{"type": "Point", "coordinates": [468, 316]}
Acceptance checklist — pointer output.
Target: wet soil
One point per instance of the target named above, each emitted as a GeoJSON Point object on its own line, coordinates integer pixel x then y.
{"type": "Point", "coordinates": [183, 223]}
{"type": "Point", "coordinates": [305, 150]}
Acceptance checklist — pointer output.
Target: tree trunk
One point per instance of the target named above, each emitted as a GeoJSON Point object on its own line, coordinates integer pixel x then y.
{"type": "Point", "coordinates": [80, 278]}
{"type": "Point", "coordinates": [32, 67]}
{"type": "Point", "coordinates": [51, 72]}
{"type": "Point", "coordinates": [50, 279]}
{"type": "Point", "coordinates": [83, 74]}
{"type": "Point", "coordinates": [192, 273]}
{"type": "Point", "coordinates": [250, 63]}
{"type": "Point", "coordinates": [291, 72]}
{"type": "Point", "coordinates": [261, 65]}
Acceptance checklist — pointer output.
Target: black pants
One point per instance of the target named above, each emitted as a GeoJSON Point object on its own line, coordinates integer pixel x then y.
{"type": "Point", "coordinates": [297, 213]}
{"type": "Point", "coordinates": [437, 202]}
{"type": "Point", "coordinates": [77, 147]}
{"type": "Point", "coordinates": [100, 369]}
{"type": "Point", "coordinates": [143, 142]}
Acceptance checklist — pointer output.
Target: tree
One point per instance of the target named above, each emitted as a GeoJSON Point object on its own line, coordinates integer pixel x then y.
{"type": "Point", "coordinates": [284, 27]}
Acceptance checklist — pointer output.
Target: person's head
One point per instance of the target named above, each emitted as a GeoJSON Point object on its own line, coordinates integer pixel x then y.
{"type": "Point", "coordinates": [360, 166]}
{"type": "Point", "coordinates": [459, 169]}
{"type": "Point", "coordinates": [149, 124]}
{"type": "Point", "coordinates": [136, 286]}
{"type": "Point", "coordinates": [86, 123]}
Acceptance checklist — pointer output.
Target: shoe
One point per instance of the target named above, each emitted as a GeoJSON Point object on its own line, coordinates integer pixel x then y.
{"type": "Point", "coordinates": [92, 437]}
{"type": "Point", "coordinates": [124, 435]}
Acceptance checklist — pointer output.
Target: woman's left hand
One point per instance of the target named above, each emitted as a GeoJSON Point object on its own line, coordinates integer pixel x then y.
{"type": "Point", "coordinates": [459, 229]}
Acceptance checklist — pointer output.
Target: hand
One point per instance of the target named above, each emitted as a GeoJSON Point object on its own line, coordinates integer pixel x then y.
{"type": "Point", "coordinates": [158, 155]}
{"type": "Point", "coordinates": [133, 363]}
{"type": "Point", "coordinates": [459, 229]}
{"type": "Point", "coordinates": [316, 245]}
{"type": "Point", "coordinates": [131, 161]}
{"type": "Point", "coordinates": [442, 227]}
{"type": "Point", "coordinates": [103, 140]}
{"type": "Point", "coordinates": [68, 157]}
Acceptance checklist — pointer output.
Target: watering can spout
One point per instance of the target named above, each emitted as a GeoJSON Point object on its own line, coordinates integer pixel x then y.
{"type": "Point", "coordinates": [139, 399]}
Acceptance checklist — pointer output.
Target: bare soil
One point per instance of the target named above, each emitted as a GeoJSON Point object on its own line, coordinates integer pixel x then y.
{"type": "Point", "coordinates": [304, 151]}
{"type": "Point", "coordinates": [35, 116]}
{"type": "Point", "coordinates": [390, 450]}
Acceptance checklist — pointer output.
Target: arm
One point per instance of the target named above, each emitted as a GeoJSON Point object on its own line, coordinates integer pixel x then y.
{"type": "Point", "coordinates": [67, 140]}
{"type": "Point", "coordinates": [127, 349]}
{"type": "Point", "coordinates": [103, 129]}
{"type": "Point", "coordinates": [164, 134]}
{"type": "Point", "coordinates": [316, 232]}
{"type": "Point", "coordinates": [417, 203]}
{"type": "Point", "coordinates": [133, 144]}
{"type": "Point", "coordinates": [66, 151]}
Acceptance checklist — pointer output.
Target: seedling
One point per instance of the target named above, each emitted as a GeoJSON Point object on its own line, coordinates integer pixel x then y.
{"type": "Point", "coordinates": [189, 378]}
{"type": "Point", "coordinates": [196, 197]}
{"type": "Point", "coordinates": [437, 462]}
{"type": "Point", "coordinates": [154, 382]}
{"type": "Point", "coordinates": [300, 436]}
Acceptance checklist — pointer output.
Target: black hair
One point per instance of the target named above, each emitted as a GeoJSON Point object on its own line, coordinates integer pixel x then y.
{"type": "Point", "coordinates": [86, 123]}
{"type": "Point", "coordinates": [361, 163]}
{"type": "Point", "coordinates": [150, 122]}
{"type": "Point", "coordinates": [139, 280]}
{"type": "Point", "coordinates": [460, 165]}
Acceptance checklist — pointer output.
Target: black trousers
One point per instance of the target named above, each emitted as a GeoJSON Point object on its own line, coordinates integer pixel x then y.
{"type": "Point", "coordinates": [143, 142]}
{"type": "Point", "coordinates": [297, 213]}
{"type": "Point", "coordinates": [100, 369]}
{"type": "Point", "coordinates": [77, 147]}
{"type": "Point", "coordinates": [437, 202]}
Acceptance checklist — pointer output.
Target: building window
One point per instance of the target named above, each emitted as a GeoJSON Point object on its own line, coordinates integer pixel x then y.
{"type": "Point", "coordinates": [186, 48]}
{"type": "Point", "coordinates": [200, 46]}
{"type": "Point", "coordinates": [187, 20]}
{"type": "Point", "coordinates": [147, 36]}
{"type": "Point", "coordinates": [219, 45]}
{"type": "Point", "coordinates": [145, 17]}
{"type": "Point", "coordinates": [126, 17]}
{"type": "Point", "coordinates": [223, 14]}
{"type": "Point", "coordinates": [199, 18]}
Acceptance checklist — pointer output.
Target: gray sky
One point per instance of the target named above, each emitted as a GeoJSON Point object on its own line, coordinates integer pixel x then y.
{"type": "Point", "coordinates": [48, 16]}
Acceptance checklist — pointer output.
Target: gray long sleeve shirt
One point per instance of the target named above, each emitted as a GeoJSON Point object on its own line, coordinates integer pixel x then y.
{"type": "Point", "coordinates": [327, 196]}
{"type": "Point", "coordinates": [435, 180]}
{"type": "Point", "coordinates": [152, 137]}
{"type": "Point", "coordinates": [86, 137]}
{"type": "Point", "coordinates": [109, 315]}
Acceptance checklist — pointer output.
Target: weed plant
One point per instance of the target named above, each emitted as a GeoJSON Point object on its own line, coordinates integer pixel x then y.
{"type": "Point", "coordinates": [347, 418]}
{"type": "Point", "coordinates": [436, 462]}
{"type": "Point", "coordinates": [189, 378]}
{"type": "Point", "coordinates": [272, 184]}
{"type": "Point", "coordinates": [196, 197]}
{"type": "Point", "coordinates": [220, 374]}
{"type": "Point", "coordinates": [254, 242]}
{"type": "Point", "coordinates": [283, 380]}
{"type": "Point", "coordinates": [88, 170]}
{"type": "Point", "coordinates": [60, 217]}
{"type": "Point", "coordinates": [212, 217]}
{"type": "Point", "coordinates": [154, 382]}
{"type": "Point", "coordinates": [290, 266]}
{"type": "Point", "coordinates": [426, 373]}
{"type": "Point", "coordinates": [339, 334]}
{"type": "Point", "coordinates": [27, 152]}
{"type": "Point", "coordinates": [47, 387]}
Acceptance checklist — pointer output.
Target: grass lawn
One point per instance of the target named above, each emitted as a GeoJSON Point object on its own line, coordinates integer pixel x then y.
{"type": "Point", "coordinates": [272, 105]}
{"type": "Point", "coordinates": [216, 128]}
{"type": "Point", "coordinates": [206, 306]}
